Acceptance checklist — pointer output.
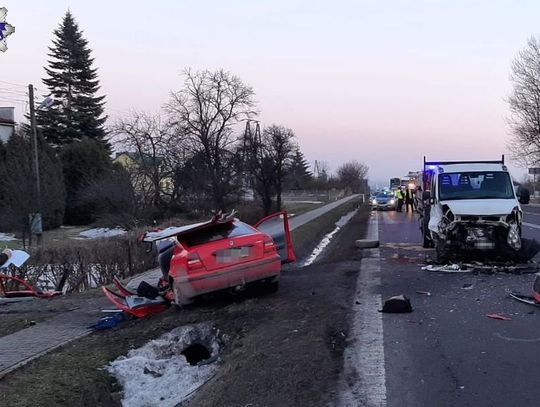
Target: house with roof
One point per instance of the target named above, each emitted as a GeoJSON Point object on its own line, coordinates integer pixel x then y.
{"type": "Point", "coordinates": [7, 123]}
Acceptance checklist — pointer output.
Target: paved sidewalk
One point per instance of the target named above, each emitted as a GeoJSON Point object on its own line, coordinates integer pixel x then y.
{"type": "Point", "coordinates": [25, 345]}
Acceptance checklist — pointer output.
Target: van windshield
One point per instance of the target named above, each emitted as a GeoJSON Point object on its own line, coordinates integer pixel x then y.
{"type": "Point", "coordinates": [475, 185]}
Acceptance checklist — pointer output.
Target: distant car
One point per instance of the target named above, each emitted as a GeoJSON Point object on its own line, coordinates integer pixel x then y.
{"type": "Point", "coordinates": [384, 200]}
{"type": "Point", "coordinates": [220, 254]}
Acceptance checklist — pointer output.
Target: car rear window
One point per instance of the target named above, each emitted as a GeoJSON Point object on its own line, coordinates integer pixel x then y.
{"type": "Point", "coordinates": [216, 232]}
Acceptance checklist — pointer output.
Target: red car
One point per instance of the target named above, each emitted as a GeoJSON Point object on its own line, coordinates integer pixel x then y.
{"type": "Point", "coordinates": [226, 252]}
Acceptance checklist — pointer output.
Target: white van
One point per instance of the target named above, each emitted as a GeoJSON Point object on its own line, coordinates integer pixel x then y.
{"type": "Point", "coordinates": [470, 207]}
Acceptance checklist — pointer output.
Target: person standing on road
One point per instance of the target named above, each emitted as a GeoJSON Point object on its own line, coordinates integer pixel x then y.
{"type": "Point", "coordinates": [399, 197]}
{"type": "Point", "coordinates": [409, 200]}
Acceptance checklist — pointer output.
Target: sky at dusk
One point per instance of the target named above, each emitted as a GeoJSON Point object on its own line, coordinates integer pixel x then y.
{"type": "Point", "coordinates": [383, 82]}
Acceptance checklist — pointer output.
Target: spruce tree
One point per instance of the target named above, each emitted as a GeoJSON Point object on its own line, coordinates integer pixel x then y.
{"type": "Point", "coordinates": [72, 81]}
{"type": "Point", "coordinates": [299, 174]}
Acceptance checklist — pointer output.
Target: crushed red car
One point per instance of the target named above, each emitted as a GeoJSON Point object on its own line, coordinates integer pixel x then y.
{"type": "Point", "coordinates": [219, 254]}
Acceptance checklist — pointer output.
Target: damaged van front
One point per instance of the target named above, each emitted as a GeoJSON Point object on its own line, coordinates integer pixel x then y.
{"type": "Point", "coordinates": [473, 209]}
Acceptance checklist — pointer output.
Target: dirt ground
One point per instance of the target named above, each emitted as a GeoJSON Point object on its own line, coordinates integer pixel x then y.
{"type": "Point", "coordinates": [286, 349]}
{"type": "Point", "coordinates": [280, 349]}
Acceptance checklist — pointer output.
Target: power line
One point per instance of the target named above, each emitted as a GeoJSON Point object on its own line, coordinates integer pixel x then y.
{"type": "Point", "coordinates": [14, 84]}
{"type": "Point", "coordinates": [14, 92]}
{"type": "Point", "coordinates": [12, 88]}
{"type": "Point", "coordinates": [12, 100]}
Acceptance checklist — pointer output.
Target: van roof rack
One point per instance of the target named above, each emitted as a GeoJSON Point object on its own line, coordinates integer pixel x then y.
{"type": "Point", "coordinates": [501, 161]}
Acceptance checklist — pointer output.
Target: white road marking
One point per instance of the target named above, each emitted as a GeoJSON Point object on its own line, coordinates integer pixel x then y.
{"type": "Point", "coordinates": [531, 225]}
{"type": "Point", "coordinates": [364, 370]}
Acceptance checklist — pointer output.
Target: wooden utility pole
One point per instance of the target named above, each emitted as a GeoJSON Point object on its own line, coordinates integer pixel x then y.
{"type": "Point", "coordinates": [36, 225]}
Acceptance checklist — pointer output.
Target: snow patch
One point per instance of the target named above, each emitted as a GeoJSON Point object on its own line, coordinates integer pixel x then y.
{"type": "Point", "coordinates": [157, 374]}
{"type": "Point", "coordinates": [325, 241]}
{"type": "Point", "coordinates": [7, 237]}
{"type": "Point", "coordinates": [98, 233]}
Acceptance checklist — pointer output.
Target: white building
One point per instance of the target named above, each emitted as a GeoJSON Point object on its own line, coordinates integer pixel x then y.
{"type": "Point", "coordinates": [7, 123]}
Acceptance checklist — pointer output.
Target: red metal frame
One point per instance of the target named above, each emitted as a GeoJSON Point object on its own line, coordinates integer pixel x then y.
{"type": "Point", "coordinates": [29, 292]}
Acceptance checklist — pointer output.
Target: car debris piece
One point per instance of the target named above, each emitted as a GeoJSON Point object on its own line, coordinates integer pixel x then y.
{"type": "Point", "coordinates": [398, 304]}
{"type": "Point", "coordinates": [503, 267]}
{"type": "Point", "coordinates": [448, 268]}
{"type": "Point", "coordinates": [527, 299]}
{"type": "Point", "coordinates": [536, 287]}
{"type": "Point", "coordinates": [133, 304]}
{"type": "Point", "coordinates": [423, 292]}
{"type": "Point", "coordinates": [499, 317]}
{"type": "Point", "coordinates": [27, 289]}
{"type": "Point", "coordinates": [467, 286]}
{"type": "Point", "coordinates": [367, 244]}
{"type": "Point", "coordinates": [531, 300]}
{"type": "Point", "coordinates": [18, 287]}
{"type": "Point", "coordinates": [108, 321]}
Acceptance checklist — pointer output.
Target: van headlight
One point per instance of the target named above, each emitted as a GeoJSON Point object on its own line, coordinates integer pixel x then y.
{"type": "Point", "coordinates": [392, 201]}
{"type": "Point", "coordinates": [374, 202]}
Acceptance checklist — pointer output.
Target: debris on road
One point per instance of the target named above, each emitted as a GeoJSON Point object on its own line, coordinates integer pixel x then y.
{"type": "Point", "coordinates": [367, 244]}
{"type": "Point", "coordinates": [397, 305]}
{"type": "Point", "coordinates": [467, 286]}
{"type": "Point", "coordinates": [448, 268]}
{"type": "Point", "coordinates": [536, 287]}
{"type": "Point", "coordinates": [531, 300]}
{"type": "Point", "coordinates": [485, 268]}
{"type": "Point", "coordinates": [525, 299]}
{"type": "Point", "coordinates": [423, 292]}
{"type": "Point", "coordinates": [499, 317]}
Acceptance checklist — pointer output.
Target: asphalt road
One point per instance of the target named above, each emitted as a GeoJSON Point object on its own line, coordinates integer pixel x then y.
{"type": "Point", "coordinates": [531, 218]}
{"type": "Point", "coordinates": [447, 352]}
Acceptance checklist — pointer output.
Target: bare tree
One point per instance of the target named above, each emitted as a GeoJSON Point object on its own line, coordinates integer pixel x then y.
{"type": "Point", "coordinates": [151, 149]}
{"type": "Point", "coordinates": [279, 143]}
{"type": "Point", "coordinates": [266, 160]}
{"type": "Point", "coordinates": [525, 105]}
{"type": "Point", "coordinates": [351, 174]}
{"type": "Point", "coordinates": [207, 110]}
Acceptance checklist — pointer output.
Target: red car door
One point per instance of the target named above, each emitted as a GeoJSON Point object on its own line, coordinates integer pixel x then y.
{"type": "Point", "coordinates": [276, 226]}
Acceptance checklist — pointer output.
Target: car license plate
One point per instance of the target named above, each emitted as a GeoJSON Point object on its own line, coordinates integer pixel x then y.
{"type": "Point", "coordinates": [233, 254]}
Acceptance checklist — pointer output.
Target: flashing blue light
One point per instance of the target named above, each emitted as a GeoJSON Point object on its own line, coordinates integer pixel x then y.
{"type": "Point", "coordinates": [432, 167]}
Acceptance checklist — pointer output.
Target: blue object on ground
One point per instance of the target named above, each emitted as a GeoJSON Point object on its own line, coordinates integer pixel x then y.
{"type": "Point", "coordinates": [108, 322]}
